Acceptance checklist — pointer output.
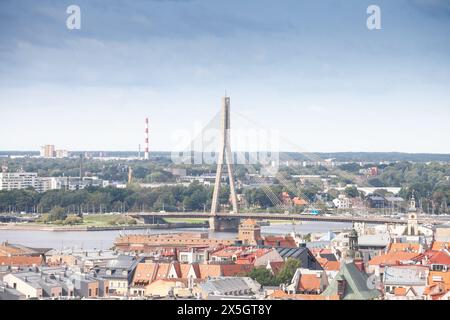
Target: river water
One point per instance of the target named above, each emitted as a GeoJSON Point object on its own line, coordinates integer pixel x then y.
{"type": "Point", "coordinates": [105, 239]}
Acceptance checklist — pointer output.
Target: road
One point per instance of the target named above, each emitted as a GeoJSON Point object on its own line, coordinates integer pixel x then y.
{"type": "Point", "coordinates": [288, 217]}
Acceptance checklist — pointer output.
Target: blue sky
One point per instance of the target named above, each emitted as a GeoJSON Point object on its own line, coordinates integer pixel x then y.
{"type": "Point", "coordinates": [309, 69]}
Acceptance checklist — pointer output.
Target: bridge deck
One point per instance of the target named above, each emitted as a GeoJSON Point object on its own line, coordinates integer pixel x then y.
{"type": "Point", "coordinates": [282, 216]}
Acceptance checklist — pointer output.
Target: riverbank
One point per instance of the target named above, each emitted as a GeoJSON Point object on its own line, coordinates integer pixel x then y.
{"type": "Point", "coordinates": [40, 227]}
{"type": "Point", "coordinates": [104, 239]}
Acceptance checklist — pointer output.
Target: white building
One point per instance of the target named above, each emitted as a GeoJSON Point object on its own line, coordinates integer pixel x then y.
{"type": "Point", "coordinates": [75, 183]}
{"type": "Point", "coordinates": [62, 154]}
{"type": "Point", "coordinates": [342, 202]}
{"type": "Point", "coordinates": [23, 180]}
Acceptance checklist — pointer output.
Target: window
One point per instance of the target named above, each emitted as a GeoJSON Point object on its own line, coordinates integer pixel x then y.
{"type": "Point", "coordinates": [437, 267]}
{"type": "Point", "coordinates": [341, 288]}
{"type": "Point", "coordinates": [90, 292]}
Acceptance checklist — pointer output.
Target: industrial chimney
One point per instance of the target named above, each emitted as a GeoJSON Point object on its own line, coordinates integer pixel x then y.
{"type": "Point", "coordinates": [146, 157]}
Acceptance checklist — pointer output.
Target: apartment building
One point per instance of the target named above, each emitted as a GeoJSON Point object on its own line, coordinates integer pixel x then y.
{"type": "Point", "coordinates": [24, 180]}
{"type": "Point", "coordinates": [48, 151]}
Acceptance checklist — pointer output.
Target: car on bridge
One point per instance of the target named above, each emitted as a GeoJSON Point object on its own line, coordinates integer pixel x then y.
{"type": "Point", "coordinates": [313, 212]}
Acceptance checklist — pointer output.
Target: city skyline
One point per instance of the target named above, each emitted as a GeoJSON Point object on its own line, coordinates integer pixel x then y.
{"type": "Point", "coordinates": [286, 66]}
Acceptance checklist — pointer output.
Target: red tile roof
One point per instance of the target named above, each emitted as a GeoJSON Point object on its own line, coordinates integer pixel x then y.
{"type": "Point", "coordinates": [408, 247]}
{"type": "Point", "coordinates": [299, 201]}
{"type": "Point", "coordinates": [393, 258]}
{"type": "Point", "coordinates": [280, 241]}
{"type": "Point", "coordinates": [18, 261]}
{"type": "Point", "coordinates": [439, 245]}
{"type": "Point", "coordinates": [309, 282]}
{"type": "Point", "coordinates": [280, 294]}
{"type": "Point", "coordinates": [332, 266]}
{"type": "Point", "coordinates": [275, 266]}
{"type": "Point", "coordinates": [233, 270]}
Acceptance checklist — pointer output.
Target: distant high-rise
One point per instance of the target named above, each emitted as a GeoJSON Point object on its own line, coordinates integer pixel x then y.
{"type": "Point", "coordinates": [48, 151]}
{"type": "Point", "coordinates": [146, 155]}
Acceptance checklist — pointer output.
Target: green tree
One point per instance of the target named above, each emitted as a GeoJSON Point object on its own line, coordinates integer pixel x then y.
{"type": "Point", "coordinates": [263, 276]}
{"type": "Point", "coordinates": [351, 192]}
{"type": "Point", "coordinates": [57, 213]}
{"type": "Point", "coordinates": [73, 219]}
{"type": "Point", "coordinates": [288, 270]}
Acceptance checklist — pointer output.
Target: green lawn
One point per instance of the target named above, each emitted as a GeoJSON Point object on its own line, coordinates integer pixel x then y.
{"type": "Point", "coordinates": [186, 220]}
{"type": "Point", "coordinates": [98, 220]}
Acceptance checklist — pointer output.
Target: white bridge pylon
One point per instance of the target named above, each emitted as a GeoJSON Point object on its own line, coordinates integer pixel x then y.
{"type": "Point", "coordinates": [225, 157]}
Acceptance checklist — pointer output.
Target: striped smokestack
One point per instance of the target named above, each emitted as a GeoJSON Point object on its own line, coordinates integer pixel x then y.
{"type": "Point", "coordinates": [146, 157]}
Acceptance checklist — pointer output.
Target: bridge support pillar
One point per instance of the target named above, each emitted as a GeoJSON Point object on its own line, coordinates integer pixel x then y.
{"type": "Point", "coordinates": [224, 224]}
{"type": "Point", "coordinates": [154, 220]}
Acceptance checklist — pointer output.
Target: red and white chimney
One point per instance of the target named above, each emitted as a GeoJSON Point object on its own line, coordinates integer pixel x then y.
{"type": "Point", "coordinates": [146, 156]}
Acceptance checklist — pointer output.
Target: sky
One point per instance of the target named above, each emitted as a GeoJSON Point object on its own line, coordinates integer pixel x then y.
{"type": "Point", "coordinates": [310, 70]}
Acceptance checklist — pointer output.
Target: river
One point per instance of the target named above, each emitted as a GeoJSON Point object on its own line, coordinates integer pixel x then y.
{"type": "Point", "coordinates": [105, 239]}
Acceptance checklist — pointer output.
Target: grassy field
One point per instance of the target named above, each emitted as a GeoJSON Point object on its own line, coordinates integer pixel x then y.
{"type": "Point", "coordinates": [98, 220]}
{"type": "Point", "coordinates": [186, 220]}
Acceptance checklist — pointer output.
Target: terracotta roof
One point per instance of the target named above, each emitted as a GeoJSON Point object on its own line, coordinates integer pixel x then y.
{"type": "Point", "coordinates": [280, 294]}
{"type": "Point", "coordinates": [249, 256]}
{"type": "Point", "coordinates": [324, 251]}
{"type": "Point", "coordinates": [196, 268]}
{"type": "Point", "coordinates": [21, 261]}
{"type": "Point", "coordinates": [227, 252]}
{"type": "Point", "coordinates": [150, 271]}
{"type": "Point", "coordinates": [280, 241]}
{"type": "Point", "coordinates": [439, 277]}
{"type": "Point", "coordinates": [433, 289]}
{"type": "Point", "coordinates": [435, 257]}
{"type": "Point", "coordinates": [332, 266]}
{"type": "Point", "coordinates": [144, 272]}
{"type": "Point", "coordinates": [252, 222]}
{"type": "Point", "coordinates": [245, 260]}
{"type": "Point", "coordinates": [400, 291]}
{"type": "Point", "coordinates": [439, 245]}
{"type": "Point", "coordinates": [408, 247]}
{"type": "Point", "coordinates": [209, 270]}
{"type": "Point", "coordinates": [309, 282]}
{"type": "Point", "coordinates": [275, 266]}
{"type": "Point", "coordinates": [7, 249]}
{"type": "Point", "coordinates": [392, 258]}
{"type": "Point", "coordinates": [232, 270]}
{"type": "Point", "coordinates": [299, 201]}
{"type": "Point", "coordinates": [184, 268]}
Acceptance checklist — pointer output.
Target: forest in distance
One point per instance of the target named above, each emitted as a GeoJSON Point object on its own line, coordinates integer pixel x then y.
{"type": "Point", "coordinates": [428, 182]}
{"type": "Point", "coordinates": [284, 156]}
